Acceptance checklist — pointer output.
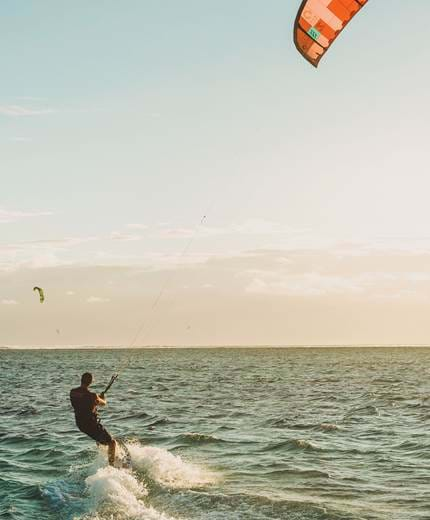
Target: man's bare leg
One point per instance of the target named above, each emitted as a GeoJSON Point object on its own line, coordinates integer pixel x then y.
{"type": "Point", "coordinates": [111, 452]}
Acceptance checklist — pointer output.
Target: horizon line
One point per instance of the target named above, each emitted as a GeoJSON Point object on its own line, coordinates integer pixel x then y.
{"type": "Point", "coordinates": [224, 346]}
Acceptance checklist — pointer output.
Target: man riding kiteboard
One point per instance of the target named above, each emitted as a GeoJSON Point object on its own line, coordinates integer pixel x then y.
{"type": "Point", "coordinates": [85, 405]}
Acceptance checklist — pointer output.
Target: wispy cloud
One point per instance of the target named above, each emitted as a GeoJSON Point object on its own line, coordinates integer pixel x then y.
{"type": "Point", "coordinates": [179, 232]}
{"type": "Point", "coordinates": [138, 226]}
{"type": "Point", "coordinates": [338, 271]}
{"type": "Point", "coordinates": [258, 226]}
{"type": "Point", "coordinates": [30, 98]}
{"type": "Point", "coordinates": [8, 216]}
{"type": "Point", "coordinates": [126, 237]}
{"type": "Point", "coordinates": [97, 299]}
{"type": "Point", "coordinates": [20, 139]}
{"type": "Point", "coordinates": [58, 243]}
{"type": "Point", "coordinates": [9, 302]}
{"type": "Point", "coordinates": [21, 111]}
{"type": "Point", "coordinates": [252, 226]}
{"type": "Point", "coordinates": [304, 284]}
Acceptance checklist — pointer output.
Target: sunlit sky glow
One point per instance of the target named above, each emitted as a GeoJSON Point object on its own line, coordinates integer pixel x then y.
{"type": "Point", "coordinates": [123, 124]}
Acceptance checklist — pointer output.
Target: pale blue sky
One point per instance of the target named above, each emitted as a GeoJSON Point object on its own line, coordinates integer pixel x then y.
{"type": "Point", "coordinates": [122, 124]}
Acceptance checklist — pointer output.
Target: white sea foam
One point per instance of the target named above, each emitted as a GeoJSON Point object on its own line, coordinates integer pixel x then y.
{"type": "Point", "coordinates": [303, 443]}
{"type": "Point", "coordinates": [167, 469]}
{"type": "Point", "coordinates": [118, 492]}
{"type": "Point", "coordinates": [329, 426]}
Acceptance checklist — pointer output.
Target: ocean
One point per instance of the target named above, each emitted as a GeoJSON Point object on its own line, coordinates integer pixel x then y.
{"type": "Point", "coordinates": [215, 434]}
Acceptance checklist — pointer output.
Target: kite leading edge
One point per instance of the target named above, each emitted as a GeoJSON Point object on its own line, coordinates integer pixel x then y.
{"type": "Point", "coordinates": [41, 293]}
{"type": "Point", "coordinates": [318, 24]}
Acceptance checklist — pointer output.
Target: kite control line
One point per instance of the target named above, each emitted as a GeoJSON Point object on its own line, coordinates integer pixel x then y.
{"type": "Point", "coordinates": [111, 382]}
{"type": "Point", "coordinates": [148, 324]}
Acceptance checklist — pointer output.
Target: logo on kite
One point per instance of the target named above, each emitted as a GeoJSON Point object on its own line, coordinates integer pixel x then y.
{"type": "Point", "coordinates": [318, 24]}
{"type": "Point", "coordinates": [41, 293]}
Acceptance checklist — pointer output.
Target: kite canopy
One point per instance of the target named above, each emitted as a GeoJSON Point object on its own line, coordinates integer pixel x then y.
{"type": "Point", "coordinates": [41, 294]}
{"type": "Point", "coordinates": [319, 22]}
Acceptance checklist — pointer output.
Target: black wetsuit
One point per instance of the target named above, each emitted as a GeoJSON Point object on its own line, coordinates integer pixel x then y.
{"type": "Point", "coordinates": [84, 404]}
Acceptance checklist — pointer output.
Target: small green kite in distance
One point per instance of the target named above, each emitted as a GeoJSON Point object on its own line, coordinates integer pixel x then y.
{"type": "Point", "coordinates": [41, 293]}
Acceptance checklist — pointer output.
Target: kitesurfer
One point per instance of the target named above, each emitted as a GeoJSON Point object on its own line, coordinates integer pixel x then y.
{"type": "Point", "coordinates": [85, 405]}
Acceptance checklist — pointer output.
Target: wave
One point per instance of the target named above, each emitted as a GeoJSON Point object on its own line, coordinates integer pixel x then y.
{"type": "Point", "coordinates": [413, 446]}
{"type": "Point", "coordinates": [58, 493]}
{"type": "Point", "coordinates": [28, 411]}
{"type": "Point", "coordinates": [141, 415]}
{"type": "Point", "coordinates": [369, 409]}
{"type": "Point", "coordinates": [305, 473]}
{"type": "Point", "coordinates": [285, 422]}
{"type": "Point", "coordinates": [167, 469]}
{"type": "Point", "coordinates": [328, 427]}
{"type": "Point", "coordinates": [40, 454]}
{"type": "Point", "coordinates": [199, 438]}
{"type": "Point", "coordinates": [291, 425]}
{"type": "Point", "coordinates": [159, 422]}
{"type": "Point", "coordinates": [292, 444]}
{"type": "Point", "coordinates": [304, 444]}
{"type": "Point", "coordinates": [248, 506]}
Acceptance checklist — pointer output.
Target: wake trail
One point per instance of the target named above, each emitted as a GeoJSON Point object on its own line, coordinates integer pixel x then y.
{"type": "Point", "coordinates": [117, 493]}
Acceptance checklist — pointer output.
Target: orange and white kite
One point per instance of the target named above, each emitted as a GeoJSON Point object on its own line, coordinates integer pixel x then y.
{"type": "Point", "coordinates": [318, 24]}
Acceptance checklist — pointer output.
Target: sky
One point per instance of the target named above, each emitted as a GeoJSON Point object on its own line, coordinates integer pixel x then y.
{"type": "Point", "coordinates": [175, 173]}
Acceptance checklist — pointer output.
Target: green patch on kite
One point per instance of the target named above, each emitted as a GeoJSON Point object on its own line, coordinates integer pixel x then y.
{"type": "Point", "coordinates": [314, 33]}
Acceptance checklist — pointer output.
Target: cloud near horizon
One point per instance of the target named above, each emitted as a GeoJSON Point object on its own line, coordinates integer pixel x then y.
{"type": "Point", "coordinates": [97, 299]}
{"type": "Point", "coordinates": [279, 296]}
{"type": "Point", "coordinates": [340, 268]}
{"type": "Point", "coordinates": [21, 111]}
{"type": "Point", "coordinates": [10, 216]}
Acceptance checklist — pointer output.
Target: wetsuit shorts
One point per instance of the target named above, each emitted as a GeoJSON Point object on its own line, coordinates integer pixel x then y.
{"type": "Point", "coordinates": [96, 431]}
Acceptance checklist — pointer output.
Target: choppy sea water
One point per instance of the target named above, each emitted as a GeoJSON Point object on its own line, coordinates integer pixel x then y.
{"type": "Point", "coordinates": [295, 434]}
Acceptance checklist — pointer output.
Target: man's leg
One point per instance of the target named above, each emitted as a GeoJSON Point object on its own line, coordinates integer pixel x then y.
{"type": "Point", "coordinates": [111, 452]}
